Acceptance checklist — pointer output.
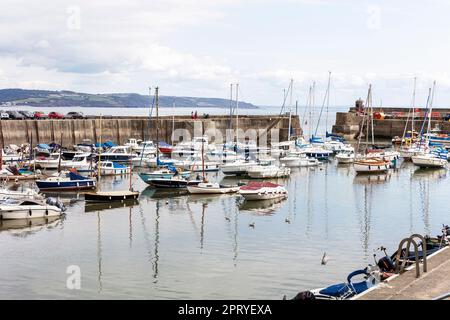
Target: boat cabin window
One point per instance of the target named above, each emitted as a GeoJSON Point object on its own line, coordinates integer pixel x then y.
{"type": "Point", "coordinates": [28, 203]}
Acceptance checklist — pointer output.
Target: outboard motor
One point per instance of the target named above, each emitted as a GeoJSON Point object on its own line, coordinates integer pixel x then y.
{"type": "Point", "coordinates": [55, 202]}
{"type": "Point", "coordinates": [304, 295]}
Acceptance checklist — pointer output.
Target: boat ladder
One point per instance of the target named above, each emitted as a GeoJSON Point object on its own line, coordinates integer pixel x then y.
{"type": "Point", "coordinates": [402, 255]}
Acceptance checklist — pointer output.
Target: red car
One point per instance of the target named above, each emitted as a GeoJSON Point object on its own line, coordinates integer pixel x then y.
{"type": "Point", "coordinates": [40, 115]}
{"type": "Point", "coordinates": [55, 115]}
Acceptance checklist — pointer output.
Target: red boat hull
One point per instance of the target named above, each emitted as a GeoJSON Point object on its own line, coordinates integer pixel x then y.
{"type": "Point", "coordinates": [165, 150]}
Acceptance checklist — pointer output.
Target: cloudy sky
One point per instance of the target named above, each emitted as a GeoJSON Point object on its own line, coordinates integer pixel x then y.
{"type": "Point", "coordinates": [199, 47]}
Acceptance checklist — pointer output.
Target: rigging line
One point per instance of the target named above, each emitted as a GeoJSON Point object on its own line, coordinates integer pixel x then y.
{"type": "Point", "coordinates": [411, 110]}
{"type": "Point", "coordinates": [308, 98]}
{"type": "Point", "coordinates": [327, 92]}
{"type": "Point", "coordinates": [285, 97]}
{"type": "Point", "coordinates": [425, 116]}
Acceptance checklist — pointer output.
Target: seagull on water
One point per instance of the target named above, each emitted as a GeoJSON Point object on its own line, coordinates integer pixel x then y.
{"type": "Point", "coordinates": [324, 259]}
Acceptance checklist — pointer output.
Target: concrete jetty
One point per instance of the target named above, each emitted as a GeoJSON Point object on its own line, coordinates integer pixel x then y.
{"type": "Point", "coordinates": [348, 124]}
{"type": "Point", "coordinates": [431, 284]}
{"type": "Point", "coordinates": [119, 129]}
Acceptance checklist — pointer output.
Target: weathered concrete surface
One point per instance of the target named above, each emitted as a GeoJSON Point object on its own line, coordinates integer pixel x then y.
{"type": "Point", "coordinates": [429, 285]}
{"type": "Point", "coordinates": [119, 129]}
{"type": "Point", "coordinates": [348, 123]}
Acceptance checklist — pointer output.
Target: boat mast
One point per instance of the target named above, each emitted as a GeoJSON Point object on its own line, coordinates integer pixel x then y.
{"type": "Point", "coordinates": [173, 122]}
{"type": "Point", "coordinates": [100, 150]}
{"type": "Point", "coordinates": [60, 152]}
{"type": "Point", "coordinates": [311, 112]}
{"type": "Point", "coordinates": [203, 152]}
{"type": "Point", "coordinates": [431, 109]}
{"type": "Point", "coordinates": [237, 113]}
{"type": "Point", "coordinates": [371, 117]}
{"type": "Point", "coordinates": [413, 107]}
{"type": "Point", "coordinates": [231, 106]}
{"type": "Point", "coordinates": [290, 110]}
{"type": "Point", "coordinates": [157, 123]}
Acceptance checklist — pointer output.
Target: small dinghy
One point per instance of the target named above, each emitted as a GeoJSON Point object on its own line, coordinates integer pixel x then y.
{"type": "Point", "coordinates": [107, 196]}
{"type": "Point", "coordinates": [211, 188]}
{"type": "Point", "coordinates": [262, 191]}
{"type": "Point", "coordinates": [66, 181]}
{"type": "Point", "coordinates": [29, 208]}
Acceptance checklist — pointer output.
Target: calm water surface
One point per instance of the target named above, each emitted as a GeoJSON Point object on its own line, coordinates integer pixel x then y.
{"type": "Point", "coordinates": [176, 246]}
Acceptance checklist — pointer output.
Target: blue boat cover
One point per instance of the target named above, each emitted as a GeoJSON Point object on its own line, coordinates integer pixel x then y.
{"type": "Point", "coordinates": [75, 176]}
{"type": "Point", "coordinates": [109, 144]}
{"type": "Point", "coordinates": [43, 146]}
{"type": "Point", "coordinates": [118, 165]}
{"type": "Point", "coordinates": [338, 290]}
{"type": "Point", "coordinates": [164, 144]}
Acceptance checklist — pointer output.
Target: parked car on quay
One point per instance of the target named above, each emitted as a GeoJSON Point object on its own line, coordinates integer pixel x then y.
{"type": "Point", "coordinates": [4, 115]}
{"type": "Point", "coordinates": [27, 114]}
{"type": "Point", "coordinates": [14, 114]}
{"type": "Point", "coordinates": [75, 115]}
{"type": "Point", "coordinates": [40, 115]}
{"type": "Point", "coordinates": [55, 115]}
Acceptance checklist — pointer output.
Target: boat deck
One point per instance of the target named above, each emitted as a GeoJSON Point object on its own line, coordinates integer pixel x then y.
{"type": "Point", "coordinates": [406, 286]}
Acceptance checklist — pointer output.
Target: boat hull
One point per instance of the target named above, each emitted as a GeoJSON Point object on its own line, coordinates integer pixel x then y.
{"type": "Point", "coordinates": [424, 162]}
{"type": "Point", "coordinates": [370, 168]}
{"type": "Point", "coordinates": [110, 196]}
{"type": "Point", "coordinates": [30, 212]}
{"type": "Point", "coordinates": [203, 190]}
{"type": "Point", "coordinates": [66, 185]}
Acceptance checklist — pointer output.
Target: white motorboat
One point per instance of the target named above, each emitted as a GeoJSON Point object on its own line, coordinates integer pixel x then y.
{"type": "Point", "coordinates": [118, 154]}
{"type": "Point", "coordinates": [110, 168]}
{"type": "Point", "coordinates": [237, 168]}
{"type": "Point", "coordinates": [82, 163]}
{"type": "Point", "coordinates": [345, 157]}
{"type": "Point", "coordinates": [192, 148]}
{"type": "Point", "coordinates": [51, 163]}
{"type": "Point", "coordinates": [222, 156]}
{"type": "Point", "coordinates": [299, 159]}
{"type": "Point", "coordinates": [282, 148]}
{"type": "Point", "coordinates": [371, 165]}
{"type": "Point", "coordinates": [196, 165]}
{"type": "Point", "coordinates": [262, 191]}
{"type": "Point", "coordinates": [291, 160]}
{"type": "Point", "coordinates": [211, 188]}
{"type": "Point", "coordinates": [147, 160]}
{"type": "Point", "coordinates": [23, 194]}
{"type": "Point", "coordinates": [268, 170]}
{"type": "Point", "coordinates": [317, 152]}
{"type": "Point", "coordinates": [29, 209]}
{"type": "Point", "coordinates": [85, 146]}
{"type": "Point", "coordinates": [11, 156]}
{"type": "Point", "coordinates": [141, 147]}
{"type": "Point", "coordinates": [429, 160]}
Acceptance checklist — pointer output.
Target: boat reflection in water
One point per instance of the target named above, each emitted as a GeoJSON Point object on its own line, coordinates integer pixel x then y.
{"type": "Point", "coordinates": [208, 198]}
{"type": "Point", "coordinates": [262, 207]}
{"type": "Point", "coordinates": [429, 174]}
{"type": "Point", "coordinates": [99, 206]}
{"type": "Point", "coordinates": [25, 227]}
{"type": "Point", "coordinates": [153, 193]}
{"type": "Point", "coordinates": [371, 178]}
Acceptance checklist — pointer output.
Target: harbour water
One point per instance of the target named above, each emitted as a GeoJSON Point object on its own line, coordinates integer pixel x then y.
{"type": "Point", "coordinates": [178, 246]}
